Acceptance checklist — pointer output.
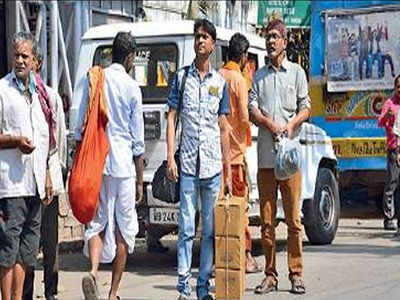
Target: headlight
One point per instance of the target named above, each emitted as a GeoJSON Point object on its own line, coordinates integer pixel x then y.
{"type": "Point", "coordinates": [152, 127]}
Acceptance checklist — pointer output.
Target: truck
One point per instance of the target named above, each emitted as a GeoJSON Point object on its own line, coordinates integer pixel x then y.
{"type": "Point", "coordinates": [355, 55]}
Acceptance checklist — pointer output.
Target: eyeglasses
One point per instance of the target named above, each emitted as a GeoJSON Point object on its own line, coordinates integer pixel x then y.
{"type": "Point", "coordinates": [274, 36]}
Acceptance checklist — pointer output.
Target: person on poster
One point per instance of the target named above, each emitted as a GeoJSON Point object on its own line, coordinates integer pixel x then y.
{"type": "Point", "coordinates": [385, 51]}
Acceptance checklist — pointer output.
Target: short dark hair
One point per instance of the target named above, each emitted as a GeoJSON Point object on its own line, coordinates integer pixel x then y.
{"type": "Point", "coordinates": [207, 26]}
{"type": "Point", "coordinates": [396, 79]}
{"type": "Point", "coordinates": [124, 44]}
{"type": "Point", "coordinates": [238, 44]}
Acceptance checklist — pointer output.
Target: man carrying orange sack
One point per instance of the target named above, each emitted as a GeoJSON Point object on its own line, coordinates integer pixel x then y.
{"type": "Point", "coordinates": [240, 134]}
{"type": "Point", "coordinates": [110, 236]}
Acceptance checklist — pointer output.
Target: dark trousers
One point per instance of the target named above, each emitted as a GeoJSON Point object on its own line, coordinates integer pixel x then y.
{"type": "Point", "coordinates": [49, 242]}
{"type": "Point", "coordinates": [390, 203]}
{"type": "Point", "coordinates": [387, 57]}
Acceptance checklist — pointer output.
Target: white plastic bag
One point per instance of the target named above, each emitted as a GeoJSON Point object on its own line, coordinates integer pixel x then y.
{"type": "Point", "coordinates": [288, 158]}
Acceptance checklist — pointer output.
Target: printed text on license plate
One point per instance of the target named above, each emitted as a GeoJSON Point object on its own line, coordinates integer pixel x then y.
{"type": "Point", "coordinates": [163, 215]}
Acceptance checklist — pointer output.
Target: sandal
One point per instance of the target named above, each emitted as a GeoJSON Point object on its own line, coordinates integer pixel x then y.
{"type": "Point", "coordinates": [269, 284]}
{"type": "Point", "coordinates": [89, 287]}
{"type": "Point", "coordinates": [297, 286]}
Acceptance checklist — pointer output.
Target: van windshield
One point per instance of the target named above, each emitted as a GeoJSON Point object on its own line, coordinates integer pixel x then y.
{"type": "Point", "coordinates": [154, 68]}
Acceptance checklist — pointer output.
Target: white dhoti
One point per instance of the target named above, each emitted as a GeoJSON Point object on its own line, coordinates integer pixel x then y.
{"type": "Point", "coordinates": [116, 208]}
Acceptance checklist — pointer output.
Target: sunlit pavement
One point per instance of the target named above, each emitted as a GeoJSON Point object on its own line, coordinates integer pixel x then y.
{"type": "Point", "coordinates": [362, 263]}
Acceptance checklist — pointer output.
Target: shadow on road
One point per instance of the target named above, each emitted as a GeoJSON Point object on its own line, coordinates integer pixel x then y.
{"type": "Point", "coordinates": [140, 262]}
{"type": "Point", "coordinates": [385, 251]}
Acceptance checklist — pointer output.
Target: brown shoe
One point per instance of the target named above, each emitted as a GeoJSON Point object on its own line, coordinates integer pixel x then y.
{"type": "Point", "coordinates": [297, 285]}
{"type": "Point", "coordinates": [269, 284]}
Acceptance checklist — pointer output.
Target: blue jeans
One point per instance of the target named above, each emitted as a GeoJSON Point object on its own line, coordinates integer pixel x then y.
{"type": "Point", "coordinates": [191, 187]}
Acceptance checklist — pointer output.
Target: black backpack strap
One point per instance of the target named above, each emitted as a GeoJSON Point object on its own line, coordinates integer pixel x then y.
{"type": "Point", "coordinates": [182, 87]}
{"type": "Point", "coordinates": [180, 94]}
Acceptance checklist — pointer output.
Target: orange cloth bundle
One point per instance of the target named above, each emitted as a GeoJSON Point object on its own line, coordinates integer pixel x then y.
{"type": "Point", "coordinates": [87, 169]}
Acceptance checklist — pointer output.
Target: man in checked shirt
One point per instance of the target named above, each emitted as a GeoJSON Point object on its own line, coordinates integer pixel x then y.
{"type": "Point", "coordinates": [204, 149]}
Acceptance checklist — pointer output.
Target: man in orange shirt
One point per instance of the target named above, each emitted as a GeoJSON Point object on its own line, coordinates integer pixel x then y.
{"type": "Point", "coordinates": [240, 134]}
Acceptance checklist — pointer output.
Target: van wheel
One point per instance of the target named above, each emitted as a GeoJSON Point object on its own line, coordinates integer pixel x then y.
{"type": "Point", "coordinates": [321, 214]}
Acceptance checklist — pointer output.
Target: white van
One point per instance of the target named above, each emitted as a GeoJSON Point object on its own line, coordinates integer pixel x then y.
{"type": "Point", "coordinates": [162, 48]}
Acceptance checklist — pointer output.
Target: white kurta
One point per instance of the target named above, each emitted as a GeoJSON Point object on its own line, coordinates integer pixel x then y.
{"type": "Point", "coordinates": [116, 208]}
{"type": "Point", "coordinates": [125, 132]}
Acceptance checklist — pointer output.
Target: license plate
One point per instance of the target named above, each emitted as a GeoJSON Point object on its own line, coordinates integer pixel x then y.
{"type": "Point", "coordinates": [163, 215]}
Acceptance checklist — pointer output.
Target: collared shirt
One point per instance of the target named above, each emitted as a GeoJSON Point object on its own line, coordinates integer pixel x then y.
{"type": "Point", "coordinates": [22, 174]}
{"type": "Point", "coordinates": [240, 135]}
{"type": "Point", "coordinates": [125, 128]}
{"type": "Point", "coordinates": [279, 94]}
{"type": "Point", "coordinates": [202, 103]}
{"type": "Point", "coordinates": [389, 123]}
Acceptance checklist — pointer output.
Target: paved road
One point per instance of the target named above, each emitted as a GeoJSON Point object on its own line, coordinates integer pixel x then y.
{"type": "Point", "coordinates": [362, 263]}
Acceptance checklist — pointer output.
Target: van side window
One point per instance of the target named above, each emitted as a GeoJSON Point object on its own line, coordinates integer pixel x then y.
{"type": "Point", "coordinates": [216, 57]}
{"type": "Point", "coordinates": [154, 68]}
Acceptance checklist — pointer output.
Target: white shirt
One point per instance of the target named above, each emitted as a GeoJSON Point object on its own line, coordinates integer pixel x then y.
{"type": "Point", "coordinates": [21, 174]}
{"type": "Point", "coordinates": [125, 127]}
{"type": "Point", "coordinates": [59, 159]}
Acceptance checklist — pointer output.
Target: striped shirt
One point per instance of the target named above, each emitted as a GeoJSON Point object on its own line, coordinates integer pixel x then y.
{"type": "Point", "coordinates": [202, 103]}
{"type": "Point", "coordinates": [280, 95]}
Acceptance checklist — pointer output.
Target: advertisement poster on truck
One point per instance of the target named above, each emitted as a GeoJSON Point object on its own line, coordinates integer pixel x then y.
{"type": "Point", "coordinates": [363, 50]}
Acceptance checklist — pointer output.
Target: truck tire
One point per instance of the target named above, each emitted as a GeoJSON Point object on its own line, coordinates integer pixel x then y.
{"type": "Point", "coordinates": [321, 214]}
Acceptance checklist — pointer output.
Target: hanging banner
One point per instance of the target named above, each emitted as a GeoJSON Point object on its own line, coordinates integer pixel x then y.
{"type": "Point", "coordinates": [295, 13]}
{"type": "Point", "coordinates": [362, 51]}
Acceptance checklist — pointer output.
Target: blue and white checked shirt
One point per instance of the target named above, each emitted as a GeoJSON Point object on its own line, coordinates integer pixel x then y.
{"type": "Point", "coordinates": [125, 128]}
{"type": "Point", "coordinates": [202, 104]}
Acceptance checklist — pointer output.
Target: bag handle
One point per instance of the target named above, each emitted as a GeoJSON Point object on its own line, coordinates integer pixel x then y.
{"type": "Point", "coordinates": [180, 94]}
{"type": "Point", "coordinates": [180, 100]}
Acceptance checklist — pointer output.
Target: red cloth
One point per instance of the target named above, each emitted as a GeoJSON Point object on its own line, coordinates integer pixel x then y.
{"type": "Point", "coordinates": [388, 122]}
{"type": "Point", "coordinates": [47, 108]}
{"type": "Point", "coordinates": [87, 169]}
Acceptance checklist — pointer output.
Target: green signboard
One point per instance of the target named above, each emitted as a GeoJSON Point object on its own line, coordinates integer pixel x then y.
{"type": "Point", "coordinates": [295, 13]}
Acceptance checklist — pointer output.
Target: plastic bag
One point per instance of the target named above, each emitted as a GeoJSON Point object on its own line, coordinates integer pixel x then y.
{"type": "Point", "coordinates": [288, 158]}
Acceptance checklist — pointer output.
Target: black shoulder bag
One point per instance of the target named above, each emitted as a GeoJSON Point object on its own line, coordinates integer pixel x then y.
{"type": "Point", "coordinates": [164, 188]}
